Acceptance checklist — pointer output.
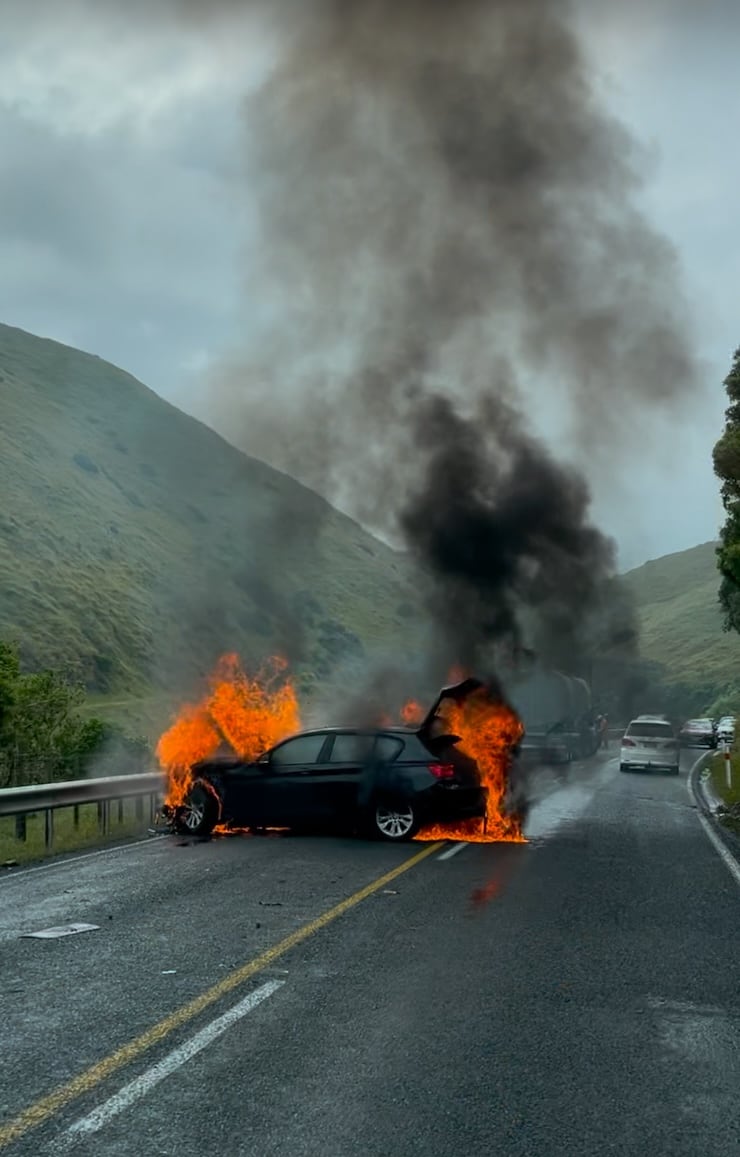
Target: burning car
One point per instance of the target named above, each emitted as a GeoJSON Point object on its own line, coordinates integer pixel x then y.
{"type": "Point", "coordinates": [387, 782]}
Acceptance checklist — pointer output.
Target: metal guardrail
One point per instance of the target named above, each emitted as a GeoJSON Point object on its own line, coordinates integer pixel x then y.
{"type": "Point", "coordinates": [48, 797]}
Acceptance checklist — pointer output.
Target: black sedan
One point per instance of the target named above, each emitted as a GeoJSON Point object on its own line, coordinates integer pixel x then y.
{"type": "Point", "coordinates": [386, 782]}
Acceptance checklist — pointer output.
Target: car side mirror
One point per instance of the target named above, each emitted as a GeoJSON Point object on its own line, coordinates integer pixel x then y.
{"type": "Point", "coordinates": [263, 760]}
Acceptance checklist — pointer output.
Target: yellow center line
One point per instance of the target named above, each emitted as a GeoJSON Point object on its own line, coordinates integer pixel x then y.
{"type": "Point", "coordinates": [46, 1107]}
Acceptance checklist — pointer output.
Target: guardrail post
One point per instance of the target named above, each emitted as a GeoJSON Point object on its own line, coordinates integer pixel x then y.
{"type": "Point", "coordinates": [120, 811]}
{"type": "Point", "coordinates": [139, 809]}
{"type": "Point", "coordinates": [106, 816]}
{"type": "Point", "coordinates": [100, 816]}
{"type": "Point", "coordinates": [20, 828]}
{"type": "Point", "coordinates": [48, 827]}
{"type": "Point", "coordinates": [76, 815]}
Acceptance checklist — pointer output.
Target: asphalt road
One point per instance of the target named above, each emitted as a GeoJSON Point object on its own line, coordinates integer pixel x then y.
{"type": "Point", "coordinates": [576, 995]}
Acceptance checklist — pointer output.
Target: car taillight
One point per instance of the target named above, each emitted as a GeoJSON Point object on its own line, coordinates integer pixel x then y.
{"type": "Point", "coordinates": [442, 770]}
{"type": "Point", "coordinates": [628, 743]}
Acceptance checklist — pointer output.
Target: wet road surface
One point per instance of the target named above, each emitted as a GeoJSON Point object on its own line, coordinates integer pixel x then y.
{"type": "Point", "coordinates": [576, 995]}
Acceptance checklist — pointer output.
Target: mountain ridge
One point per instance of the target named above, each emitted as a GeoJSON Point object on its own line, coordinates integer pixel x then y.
{"type": "Point", "coordinates": [137, 544]}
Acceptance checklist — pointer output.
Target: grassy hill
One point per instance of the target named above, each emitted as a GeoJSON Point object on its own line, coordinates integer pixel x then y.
{"type": "Point", "coordinates": [681, 620]}
{"type": "Point", "coordinates": [136, 545]}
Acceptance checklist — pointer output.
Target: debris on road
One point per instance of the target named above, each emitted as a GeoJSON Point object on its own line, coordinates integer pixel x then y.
{"type": "Point", "coordinates": [61, 930]}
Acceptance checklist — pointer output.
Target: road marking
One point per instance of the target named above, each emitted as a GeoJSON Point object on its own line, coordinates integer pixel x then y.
{"type": "Point", "coordinates": [144, 1083]}
{"type": "Point", "coordinates": [726, 856]}
{"type": "Point", "coordinates": [60, 863]}
{"type": "Point", "coordinates": [85, 1082]}
{"type": "Point", "coordinates": [453, 851]}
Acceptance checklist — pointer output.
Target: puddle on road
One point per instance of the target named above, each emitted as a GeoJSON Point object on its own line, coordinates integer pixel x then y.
{"type": "Point", "coordinates": [567, 801]}
{"type": "Point", "coordinates": [564, 805]}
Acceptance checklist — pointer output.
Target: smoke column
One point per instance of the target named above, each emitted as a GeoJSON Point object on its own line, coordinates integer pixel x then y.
{"type": "Point", "coordinates": [449, 240]}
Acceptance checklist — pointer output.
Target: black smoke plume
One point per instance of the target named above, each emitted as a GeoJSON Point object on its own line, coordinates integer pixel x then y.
{"type": "Point", "coordinates": [449, 244]}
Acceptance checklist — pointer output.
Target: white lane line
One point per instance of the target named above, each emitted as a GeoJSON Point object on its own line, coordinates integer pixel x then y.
{"type": "Point", "coordinates": [59, 863]}
{"type": "Point", "coordinates": [144, 1083]}
{"type": "Point", "coordinates": [726, 857]}
{"type": "Point", "coordinates": [450, 852]}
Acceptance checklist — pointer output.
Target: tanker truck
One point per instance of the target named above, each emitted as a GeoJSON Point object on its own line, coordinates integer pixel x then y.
{"type": "Point", "coordinates": [556, 711]}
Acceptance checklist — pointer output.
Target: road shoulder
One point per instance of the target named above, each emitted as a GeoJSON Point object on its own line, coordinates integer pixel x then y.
{"type": "Point", "coordinates": [725, 842]}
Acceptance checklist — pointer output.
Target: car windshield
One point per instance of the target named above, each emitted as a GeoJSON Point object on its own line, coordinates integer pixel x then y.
{"type": "Point", "coordinates": [650, 729]}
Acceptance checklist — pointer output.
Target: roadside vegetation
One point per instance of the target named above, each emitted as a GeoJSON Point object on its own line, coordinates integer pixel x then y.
{"type": "Point", "coordinates": [730, 796]}
{"type": "Point", "coordinates": [75, 829]}
{"type": "Point", "coordinates": [727, 469]}
{"type": "Point", "coordinates": [44, 736]}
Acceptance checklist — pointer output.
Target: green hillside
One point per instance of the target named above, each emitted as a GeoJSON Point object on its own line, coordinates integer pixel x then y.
{"type": "Point", "coordinates": [681, 621]}
{"type": "Point", "coordinates": [136, 545]}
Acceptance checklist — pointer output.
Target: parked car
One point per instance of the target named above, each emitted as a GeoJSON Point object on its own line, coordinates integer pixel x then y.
{"type": "Point", "coordinates": [650, 743]}
{"type": "Point", "coordinates": [388, 782]}
{"type": "Point", "coordinates": [698, 733]}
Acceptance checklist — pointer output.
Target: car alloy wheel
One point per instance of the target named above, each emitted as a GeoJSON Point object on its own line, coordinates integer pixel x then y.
{"type": "Point", "coordinates": [395, 821]}
{"type": "Point", "coordinates": [193, 814]}
{"type": "Point", "coordinates": [200, 811]}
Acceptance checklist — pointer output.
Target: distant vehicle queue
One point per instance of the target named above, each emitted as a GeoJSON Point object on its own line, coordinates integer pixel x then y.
{"type": "Point", "coordinates": [563, 722]}
{"type": "Point", "coordinates": [650, 742]}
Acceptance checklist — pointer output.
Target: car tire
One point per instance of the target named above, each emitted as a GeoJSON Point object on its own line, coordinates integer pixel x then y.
{"type": "Point", "coordinates": [676, 770]}
{"type": "Point", "coordinates": [624, 767]}
{"type": "Point", "coordinates": [393, 820]}
{"type": "Point", "coordinates": [200, 812]}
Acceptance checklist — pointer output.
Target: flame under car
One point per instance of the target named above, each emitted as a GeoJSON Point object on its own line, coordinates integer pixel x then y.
{"type": "Point", "coordinates": [385, 782]}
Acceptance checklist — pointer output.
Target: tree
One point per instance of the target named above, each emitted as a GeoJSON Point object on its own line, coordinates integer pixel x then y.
{"type": "Point", "coordinates": [727, 469]}
{"type": "Point", "coordinates": [42, 735]}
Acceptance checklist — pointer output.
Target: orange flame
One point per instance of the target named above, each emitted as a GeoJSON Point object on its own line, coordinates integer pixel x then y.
{"type": "Point", "coordinates": [411, 713]}
{"type": "Point", "coordinates": [248, 714]}
{"type": "Point", "coordinates": [489, 730]}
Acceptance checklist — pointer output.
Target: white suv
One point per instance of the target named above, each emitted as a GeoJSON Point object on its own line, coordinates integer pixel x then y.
{"type": "Point", "coordinates": [650, 742]}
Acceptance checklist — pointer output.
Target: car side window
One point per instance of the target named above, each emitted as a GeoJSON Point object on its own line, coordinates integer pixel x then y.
{"type": "Point", "coordinates": [295, 752]}
{"type": "Point", "coordinates": [387, 748]}
{"type": "Point", "coordinates": [351, 747]}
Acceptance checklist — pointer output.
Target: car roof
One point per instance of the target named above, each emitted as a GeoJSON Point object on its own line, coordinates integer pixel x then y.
{"type": "Point", "coordinates": [226, 756]}
{"type": "Point", "coordinates": [357, 730]}
{"type": "Point", "coordinates": [650, 719]}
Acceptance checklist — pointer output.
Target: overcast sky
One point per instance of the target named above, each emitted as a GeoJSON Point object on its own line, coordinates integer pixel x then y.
{"type": "Point", "coordinates": [125, 216]}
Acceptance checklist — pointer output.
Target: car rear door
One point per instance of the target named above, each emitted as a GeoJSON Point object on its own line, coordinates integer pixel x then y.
{"type": "Point", "coordinates": [291, 773]}
{"type": "Point", "coordinates": [340, 777]}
